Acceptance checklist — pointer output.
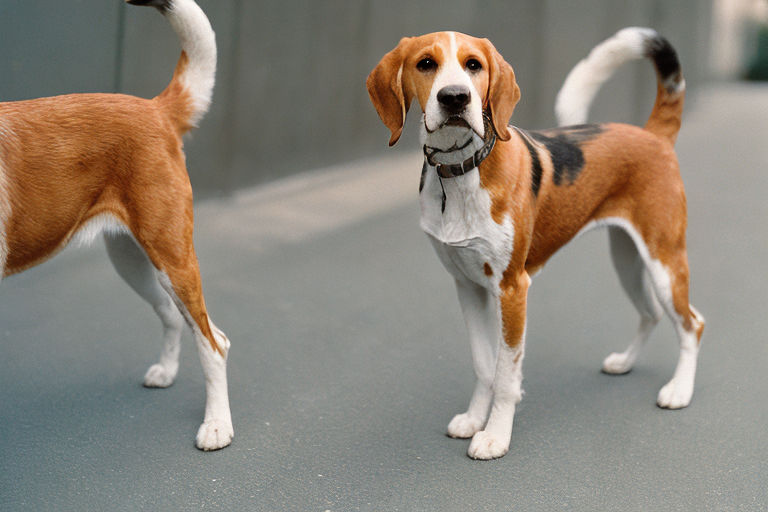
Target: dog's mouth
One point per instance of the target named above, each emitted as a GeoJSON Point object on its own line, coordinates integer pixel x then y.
{"type": "Point", "coordinates": [456, 121]}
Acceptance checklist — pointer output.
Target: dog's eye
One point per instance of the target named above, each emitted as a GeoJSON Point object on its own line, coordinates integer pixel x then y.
{"type": "Point", "coordinates": [426, 64]}
{"type": "Point", "coordinates": [473, 65]}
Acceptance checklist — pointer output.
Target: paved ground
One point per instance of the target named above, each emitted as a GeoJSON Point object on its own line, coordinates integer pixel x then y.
{"type": "Point", "coordinates": [349, 358]}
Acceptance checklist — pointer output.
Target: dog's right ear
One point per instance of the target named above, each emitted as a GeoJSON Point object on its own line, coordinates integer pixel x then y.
{"type": "Point", "coordinates": [385, 87]}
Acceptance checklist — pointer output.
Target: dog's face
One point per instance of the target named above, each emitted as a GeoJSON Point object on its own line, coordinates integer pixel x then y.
{"type": "Point", "coordinates": [453, 76]}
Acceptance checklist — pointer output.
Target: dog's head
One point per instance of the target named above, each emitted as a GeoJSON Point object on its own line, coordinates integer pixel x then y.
{"type": "Point", "coordinates": [454, 77]}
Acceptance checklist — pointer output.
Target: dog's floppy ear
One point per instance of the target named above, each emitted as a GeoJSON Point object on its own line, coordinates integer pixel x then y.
{"type": "Point", "coordinates": [385, 87]}
{"type": "Point", "coordinates": [503, 92]}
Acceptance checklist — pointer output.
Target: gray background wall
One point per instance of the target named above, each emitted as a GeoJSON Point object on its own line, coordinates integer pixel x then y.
{"type": "Point", "coordinates": [291, 92]}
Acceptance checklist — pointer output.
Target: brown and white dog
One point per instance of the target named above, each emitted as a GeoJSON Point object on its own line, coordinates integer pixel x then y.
{"type": "Point", "coordinates": [75, 166]}
{"type": "Point", "coordinates": [498, 201]}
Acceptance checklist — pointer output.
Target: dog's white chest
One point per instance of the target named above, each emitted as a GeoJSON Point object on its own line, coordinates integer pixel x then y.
{"type": "Point", "coordinates": [470, 244]}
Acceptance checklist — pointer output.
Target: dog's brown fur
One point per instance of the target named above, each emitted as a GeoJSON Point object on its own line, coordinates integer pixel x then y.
{"type": "Point", "coordinates": [69, 159]}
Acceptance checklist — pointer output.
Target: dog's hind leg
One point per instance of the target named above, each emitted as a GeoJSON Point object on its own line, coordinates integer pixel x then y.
{"type": "Point", "coordinates": [480, 309]}
{"type": "Point", "coordinates": [670, 278]}
{"type": "Point", "coordinates": [636, 282]}
{"type": "Point", "coordinates": [167, 237]}
{"type": "Point", "coordinates": [181, 279]}
{"type": "Point", "coordinates": [133, 265]}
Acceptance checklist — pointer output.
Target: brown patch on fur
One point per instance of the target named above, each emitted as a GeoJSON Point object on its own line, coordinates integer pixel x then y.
{"type": "Point", "coordinates": [697, 322]}
{"type": "Point", "coordinates": [503, 174]}
{"type": "Point", "coordinates": [699, 330]}
{"type": "Point", "coordinates": [513, 310]}
{"type": "Point", "coordinates": [385, 88]}
{"type": "Point", "coordinates": [487, 269]}
{"type": "Point", "coordinates": [502, 93]}
{"type": "Point", "coordinates": [667, 113]}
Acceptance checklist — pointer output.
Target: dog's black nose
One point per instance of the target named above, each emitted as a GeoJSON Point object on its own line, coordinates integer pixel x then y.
{"type": "Point", "coordinates": [453, 98]}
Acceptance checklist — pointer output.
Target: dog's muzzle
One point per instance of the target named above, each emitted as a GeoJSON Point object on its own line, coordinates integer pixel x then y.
{"type": "Point", "coordinates": [452, 170]}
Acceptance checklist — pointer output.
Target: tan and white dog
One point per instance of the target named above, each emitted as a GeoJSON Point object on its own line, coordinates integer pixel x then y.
{"type": "Point", "coordinates": [498, 201]}
{"type": "Point", "coordinates": [75, 166]}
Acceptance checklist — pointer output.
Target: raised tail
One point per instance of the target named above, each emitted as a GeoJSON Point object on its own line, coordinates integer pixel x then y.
{"type": "Point", "coordinates": [188, 96]}
{"type": "Point", "coordinates": [585, 79]}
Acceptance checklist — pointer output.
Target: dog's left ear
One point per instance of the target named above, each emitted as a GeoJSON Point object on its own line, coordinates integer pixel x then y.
{"type": "Point", "coordinates": [385, 87]}
{"type": "Point", "coordinates": [503, 92]}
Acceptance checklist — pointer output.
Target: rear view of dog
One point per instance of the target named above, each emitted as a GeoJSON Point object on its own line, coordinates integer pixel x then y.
{"type": "Point", "coordinates": [76, 166]}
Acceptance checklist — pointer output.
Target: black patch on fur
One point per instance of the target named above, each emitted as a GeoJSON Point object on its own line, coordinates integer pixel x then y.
{"type": "Point", "coordinates": [423, 176]}
{"type": "Point", "coordinates": [564, 146]}
{"type": "Point", "coordinates": [536, 170]}
{"type": "Point", "coordinates": [664, 58]}
{"type": "Point", "coordinates": [161, 5]}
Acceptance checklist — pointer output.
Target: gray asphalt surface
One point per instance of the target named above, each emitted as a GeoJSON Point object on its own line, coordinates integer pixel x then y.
{"type": "Point", "coordinates": [350, 357]}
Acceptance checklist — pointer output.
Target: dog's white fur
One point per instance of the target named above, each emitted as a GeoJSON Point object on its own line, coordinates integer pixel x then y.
{"type": "Point", "coordinates": [199, 42]}
{"type": "Point", "coordinates": [100, 225]}
{"type": "Point", "coordinates": [586, 78]}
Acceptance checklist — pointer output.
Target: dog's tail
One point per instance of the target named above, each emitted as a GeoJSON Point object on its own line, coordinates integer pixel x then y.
{"type": "Point", "coordinates": [585, 79]}
{"type": "Point", "coordinates": [188, 96]}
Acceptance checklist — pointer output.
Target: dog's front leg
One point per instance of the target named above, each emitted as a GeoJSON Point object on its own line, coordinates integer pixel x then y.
{"type": "Point", "coordinates": [481, 314]}
{"type": "Point", "coordinates": [493, 441]}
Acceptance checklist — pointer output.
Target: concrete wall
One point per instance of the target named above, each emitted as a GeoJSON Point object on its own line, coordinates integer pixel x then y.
{"type": "Point", "coordinates": [291, 92]}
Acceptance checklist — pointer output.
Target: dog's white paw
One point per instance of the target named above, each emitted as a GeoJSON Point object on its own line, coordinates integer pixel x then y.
{"type": "Point", "coordinates": [617, 363]}
{"type": "Point", "coordinates": [676, 394]}
{"type": "Point", "coordinates": [486, 445]}
{"type": "Point", "coordinates": [464, 426]}
{"type": "Point", "coordinates": [214, 434]}
{"type": "Point", "coordinates": [158, 376]}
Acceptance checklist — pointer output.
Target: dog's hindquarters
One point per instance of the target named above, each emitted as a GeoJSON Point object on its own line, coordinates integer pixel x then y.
{"type": "Point", "coordinates": [650, 252]}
